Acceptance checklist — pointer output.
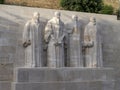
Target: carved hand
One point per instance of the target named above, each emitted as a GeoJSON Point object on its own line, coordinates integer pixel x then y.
{"type": "Point", "coordinates": [58, 42]}
{"type": "Point", "coordinates": [70, 31]}
{"type": "Point", "coordinates": [91, 44]}
{"type": "Point", "coordinates": [29, 42]}
{"type": "Point", "coordinates": [26, 44]}
{"type": "Point", "coordinates": [88, 44]}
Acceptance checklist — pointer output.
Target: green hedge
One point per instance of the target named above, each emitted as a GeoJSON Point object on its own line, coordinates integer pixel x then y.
{"type": "Point", "coordinates": [118, 14]}
{"type": "Point", "coordinates": [1, 1]}
{"type": "Point", "coordinates": [107, 9]}
{"type": "Point", "coordinates": [93, 6]}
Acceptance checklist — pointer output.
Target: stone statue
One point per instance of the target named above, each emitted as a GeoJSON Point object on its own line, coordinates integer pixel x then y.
{"type": "Point", "coordinates": [75, 42]}
{"type": "Point", "coordinates": [32, 42]}
{"type": "Point", "coordinates": [93, 45]}
{"type": "Point", "coordinates": [54, 37]}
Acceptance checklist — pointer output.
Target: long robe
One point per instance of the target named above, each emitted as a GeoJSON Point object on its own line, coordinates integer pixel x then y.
{"type": "Point", "coordinates": [33, 52]}
{"type": "Point", "coordinates": [93, 46]}
{"type": "Point", "coordinates": [75, 44]}
{"type": "Point", "coordinates": [54, 32]}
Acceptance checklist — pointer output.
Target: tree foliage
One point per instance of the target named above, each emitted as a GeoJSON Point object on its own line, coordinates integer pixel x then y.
{"type": "Point", "coordinates": [1, 1]}
{"type": "Point", "coordinates": [107, 9]}
{"type": "Point", "coordinates": [118, 14]}
{"type": "Point", "coordinates": [93, 6]}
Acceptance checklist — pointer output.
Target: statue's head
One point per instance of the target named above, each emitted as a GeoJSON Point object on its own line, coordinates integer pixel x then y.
{"type": "Point", "coordinates": [93, 20]}
{"type": "Point", "coordinates": [57, 15]}
{"type": "Point", "coordinates": [74, 17]}
{"type": "Point", "coordinates": [36, 15]}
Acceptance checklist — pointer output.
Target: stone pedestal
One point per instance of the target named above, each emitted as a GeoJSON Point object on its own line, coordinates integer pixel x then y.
{"type": "Point", "coordinates": [5, 85]}
{"type": "Point", "coordinates": [63, 79]}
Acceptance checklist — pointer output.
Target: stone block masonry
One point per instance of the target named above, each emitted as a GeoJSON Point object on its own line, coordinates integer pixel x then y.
{"type": "Point", "coordinates": [12, 20]}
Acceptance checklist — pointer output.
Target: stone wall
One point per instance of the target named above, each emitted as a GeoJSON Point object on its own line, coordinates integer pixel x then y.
{"type": "Point", "coordinates": [13, 18]}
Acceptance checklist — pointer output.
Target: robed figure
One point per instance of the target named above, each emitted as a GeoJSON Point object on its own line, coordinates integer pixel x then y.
{"type": "Point", "coordinates": [54, 37]}
{"type": "Point", "coordinates": [74, 30]}
{"type": "Point", "coordinates": [93, 44]}
{"type": "Point", "coordinates": [32, 42]}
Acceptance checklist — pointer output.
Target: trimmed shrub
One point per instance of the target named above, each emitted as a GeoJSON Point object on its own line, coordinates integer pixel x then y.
{"type": "Point", "coordinates": [118, 14]}
{"type": "Point", "coordinates": [93, 6]}
{"type": "Point", "coordinates": [1, 1]}
{"type": "Point", "coordinates": [107, 9]}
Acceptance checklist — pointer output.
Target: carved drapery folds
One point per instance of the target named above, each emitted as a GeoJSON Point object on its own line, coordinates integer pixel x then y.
{"type": "Point", "coordinates": [63, 43]}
